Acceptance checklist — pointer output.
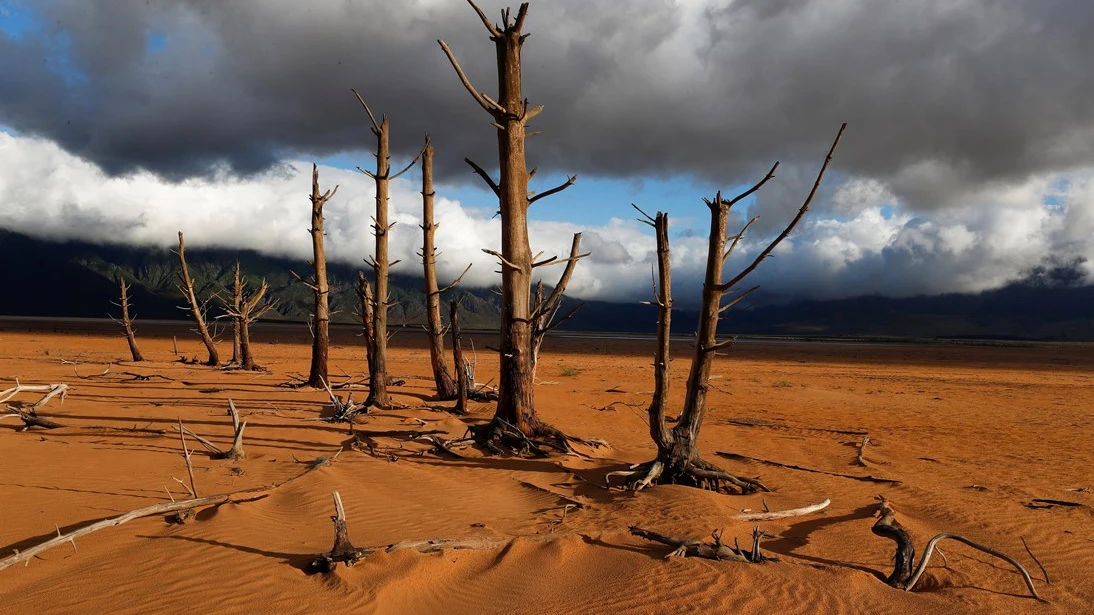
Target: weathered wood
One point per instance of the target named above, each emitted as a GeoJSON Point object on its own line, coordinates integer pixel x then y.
{"type": "Point", "coordinates": [783, 514]}
{"type": "Point", "coordinates": [510, 114]}
{"type": "Point", "coordinates": [463, 376]}
{"type": "Point", "coordinates": [905, 573]}
{"type": "Point", "coordinates": [343, 550]}
{"type": "Point", "coordinates": [127, 320]}
{"type": "Point", "coordinates": [197, 309]}
{"type": "Point", "coordinates": [156, 509]}
{"type": "Point", "coordinates": [442, 379]}
{"type": "Point", "coordinates": [317, 373]}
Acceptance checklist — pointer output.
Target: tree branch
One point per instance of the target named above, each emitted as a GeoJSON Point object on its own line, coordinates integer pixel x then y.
{"type": "Point", "coordinates": [801, 212]}
{"type": "Point", "coordinates": [487, 104]}
{"type": "Point", "coordinates": [485, 176]}
{"type": "Point", "coordinates": [569, 182]}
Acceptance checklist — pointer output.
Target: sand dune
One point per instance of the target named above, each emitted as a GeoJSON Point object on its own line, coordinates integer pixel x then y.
{"type": "Point", "coordinates": [973, 434]}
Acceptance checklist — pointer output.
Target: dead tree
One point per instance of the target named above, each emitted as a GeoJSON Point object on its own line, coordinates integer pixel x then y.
{"type": "Point", "coordinates": [446, 386]}
{"type": "Point", "coordinates": [905, 573]}
{"type": "Point", "coordinates": [248, 308]}
{"type": "Point", "coordinates": [377, 365]}
{"type": "Point", "coordinates": [511, 113]}
{"type": "Point", "coordinates": [237, 303]}
{"type": "Point", "coordinates": [127, 320]}
{"type": "Point", "coordinates": [364, 295]}
{"type": "Point", "coordinates": [463, 376]}
{"type": "Point", "coordinates": [547, 309]}
{"type": "Point", "coordinates": [678, 460]}
{"type": "Point", "coordinates": [197, 309]}
{"type": "Point", "coordinates": [320, 325]}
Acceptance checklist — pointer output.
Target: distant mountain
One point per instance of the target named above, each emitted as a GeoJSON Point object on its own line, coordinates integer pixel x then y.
{"type": "Point", "coordinates": [75, 279]}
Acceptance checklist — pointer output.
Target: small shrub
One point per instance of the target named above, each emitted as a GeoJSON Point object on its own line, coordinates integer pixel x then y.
{"type": "Point", "coordinates": [570, 371]}
{"type": "Point", "coordinates": [782, 384]}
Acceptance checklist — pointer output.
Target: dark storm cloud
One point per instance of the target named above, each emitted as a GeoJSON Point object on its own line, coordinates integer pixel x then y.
{"type": "Point", "coordinates": [943, 96]}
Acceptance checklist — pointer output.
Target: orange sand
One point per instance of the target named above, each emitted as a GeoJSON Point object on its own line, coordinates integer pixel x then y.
{"type": "Point", "coordinates": [974, 433]}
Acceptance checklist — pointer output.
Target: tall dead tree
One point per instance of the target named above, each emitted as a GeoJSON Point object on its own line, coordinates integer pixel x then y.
{"type": "Point", "coordinates": [446, 386]}
{"type": "Point", "coordinates": [510, 114]}
{"type": "Point", "coordinates": [197, 309]}
{"type": "Point", "coordinates": [678, 460]}
{"type": "Point", "coordinates": [463, 376]}
{"type": "Point", "coordinates": [320, 325]}
{"type": "Point", "coordinates": [234, 307]}
{"type": "Point", "coordinates": [127, 320]}
{"type": "Point", "coordinates": [364, 295]}
{"type": "Point", "coordinates": [249, 308]}
{"type": "Point", "coordinates": [377, 366]}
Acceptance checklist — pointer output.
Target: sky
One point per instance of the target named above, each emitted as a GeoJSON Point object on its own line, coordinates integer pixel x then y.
{"type": "Point", "coordinates": [968, 161]}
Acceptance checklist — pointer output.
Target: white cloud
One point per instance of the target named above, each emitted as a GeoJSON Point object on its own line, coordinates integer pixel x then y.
{"type": "Point", "coordinates": [863, 241]}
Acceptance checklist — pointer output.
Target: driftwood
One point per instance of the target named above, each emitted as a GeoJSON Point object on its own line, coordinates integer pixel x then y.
{"type": "Point", "coordinates": [716, 550]}
{"type": "Point", "coordinates": [868, 479]}
{"type": "Point", "coordinates": [905, 574]}
{"type": "Point", "coordinates": [344, 411]}
{"type": "Point", "coordinates": [254, 493]}
{"type": "Point", "coordinates": [783, 514]}
{"type": "Point", "coordinates": [30, 416]}
{"type": "Point", "coordinates": [236, 452]}
{"type": "Point", "coordinates": [343, 550]}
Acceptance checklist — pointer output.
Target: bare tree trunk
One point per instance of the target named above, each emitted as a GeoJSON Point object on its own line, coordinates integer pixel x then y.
{"type": "Point", "coordinates": [462, 375]}
{"type": "Point", "coordinates": [196, 309]}
{"type": "Point", "coordinates": [511, 113]}
{"type": "Point", "coordinates": [320, 347]}
{"type": "Point", "coordinates": [545, 313]}
{"type": "Point", "coordinates": [446, 386]}
{"type": "Point", "coordinates": [245, 309]}
{"type": "Point", "coordinates": [127, 321]}
{"type": "Point", "coordinates": [237, 303]}
{"type": "Point", "coordinates": [678, 459]}
{"type": "Point", "coordinates": [377, 365]}
{"type": "Point", "coordinates": [364, 294]}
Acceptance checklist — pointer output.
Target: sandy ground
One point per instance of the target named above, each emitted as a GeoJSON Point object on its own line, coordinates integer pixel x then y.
{"type": "Point", "coordinates": [973, 433]}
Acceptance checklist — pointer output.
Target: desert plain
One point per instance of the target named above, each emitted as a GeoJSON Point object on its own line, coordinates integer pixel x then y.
{"type": "Point", "coordinates": [975, 437]}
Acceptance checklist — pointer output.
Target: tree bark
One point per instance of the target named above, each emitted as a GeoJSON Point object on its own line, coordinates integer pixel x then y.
{"type": "Point", "coordinates": [320, 348]}
{"type": "Point", "coordinates": [446, 386]}
{"type": "Point", "coordinates": [237, 302]}
{"type": "Point", "coordinates": [127, 321]}
{"type": "Point", "coordinates": [187, 289]}
{"type": "Point", "coordinates": [377, 365]}
{"type": "Point", "coordinates": [678, 459]}
{"type": "Point", "coordinates": [511, 113]}
{"type": "Point", "coordinates": [364, 294]}
{"type": "Point", "coordinates": [462, 377]}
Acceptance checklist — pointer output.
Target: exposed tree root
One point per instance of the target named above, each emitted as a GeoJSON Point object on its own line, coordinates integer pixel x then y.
{"type": "Point", "coordinates": [716, 549]}
{"type": "Point", "coordinates": [344, 411]}
{"type": "Point", "coordinates": [689, 472]}
{"type": "Point", "coordinates": [903, 575]}
{"type": "Point", "coordinates": [500, 437]}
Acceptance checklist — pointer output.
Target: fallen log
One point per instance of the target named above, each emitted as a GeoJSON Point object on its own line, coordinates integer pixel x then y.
{"type": "Point", "coordinates": [905, 574]}
{"type": "Point", "coordinates": [254, 493]}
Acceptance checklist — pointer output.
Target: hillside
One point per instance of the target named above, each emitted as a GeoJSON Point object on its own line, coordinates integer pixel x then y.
{"type": "Point", "coordinates": [74, 279]}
